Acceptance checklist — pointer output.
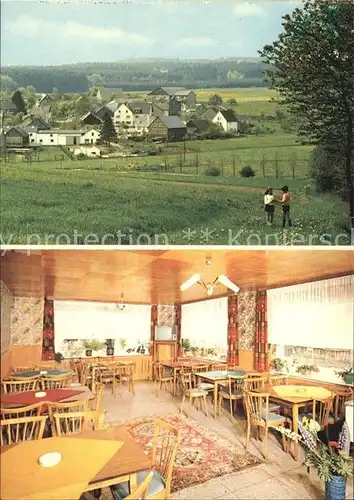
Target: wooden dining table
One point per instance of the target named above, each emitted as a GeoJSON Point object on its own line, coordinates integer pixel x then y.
{"type": "Point", "coordinates": [90, 461]}
{"type": "Point", "coordinates": [219, 378]}
{"type": "Point", "coordinates": [26, 398]}
{"type": "Point", "coordinates": [41, 373]}
{"type": "Point", "coordinates": [294, 397]}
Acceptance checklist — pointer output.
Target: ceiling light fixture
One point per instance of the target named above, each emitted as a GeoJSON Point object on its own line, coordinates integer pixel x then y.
{"type": "Point", "coordinates": [210, 284]}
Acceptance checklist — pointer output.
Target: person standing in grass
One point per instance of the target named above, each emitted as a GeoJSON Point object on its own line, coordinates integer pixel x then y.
{"type": "Point", "coordinates": [286, 202]}
{"type": "Point", "coordinates": [269, 206]}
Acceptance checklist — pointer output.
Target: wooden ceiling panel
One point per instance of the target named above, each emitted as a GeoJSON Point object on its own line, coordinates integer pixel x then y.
{"type": "Point", "coordinates": [154, 276]}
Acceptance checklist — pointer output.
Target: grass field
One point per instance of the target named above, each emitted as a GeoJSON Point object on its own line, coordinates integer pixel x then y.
{"type": "Point", "coordinates": [153, 209]}
{"type": "Point", "coordinates": [171, 200]}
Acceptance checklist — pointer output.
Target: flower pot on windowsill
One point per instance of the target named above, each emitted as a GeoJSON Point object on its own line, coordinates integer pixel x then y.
{"type": "Point", "coordinates": [110, 351]}
{"type": "Point", "coordinates": [88, 352]}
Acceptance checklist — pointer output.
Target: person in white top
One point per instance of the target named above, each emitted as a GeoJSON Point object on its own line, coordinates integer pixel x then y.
{"type": "Point", "coordinates": [269, 206]}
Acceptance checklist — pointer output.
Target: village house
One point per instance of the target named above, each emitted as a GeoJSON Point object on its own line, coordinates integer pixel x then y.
{"type": "Point", "coordinates": [227, 120]}
{"type": "Point", "coordinates": [15, 137]}
{"type": "Point", "coordinates": [186, 97]}
{"type": "Point", "coordinates": [170, 128]}
{"type": "Point", "coordinates": [133, 118]}
{"type": "Point", "coordinates": [63, 137]}
{"type": "Point", "coordinates": [197, 126]}
{"type": "Point", "coordinates": [37, 122]}
{"type": "Point", "coordinates": [44, 100]}
{"type": "Point", "coordinates": [91, 118]}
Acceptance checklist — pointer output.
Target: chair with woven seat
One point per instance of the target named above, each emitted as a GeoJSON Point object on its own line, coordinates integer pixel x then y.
{"type": "Point", "coordinates": [165, 444]}
{"type": "Point", "coordinates": [321, 410]}
{"type": "Point", "coordinates": [16, 430]}
{"type": "Point", "coordinates": [341, 397]}
{"type": "Point", "coordinates": [192, 393]}
{"type": "Point", "coordinates": [56, 381]}
{"type": "Point", "coordinates": [259, 415]}
{"type": "Point", "coordinates": [20, 385]}
{"type": "Point", "coordinates": [232, 392]}
{"type": "Point", "coordinates": [161, 378]}
{"type": "Point", "coordinates": [74, 422]}
{"type": "Point", "coordinates": [96, 403]}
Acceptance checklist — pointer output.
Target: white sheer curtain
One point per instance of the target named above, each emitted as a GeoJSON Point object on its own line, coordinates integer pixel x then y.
{"type": "Point", "coordinates": [317, 314]}
{"type": "Point", "coordinates": [87, 320]}
{"type": "Point", "coordinates": [205, 323]}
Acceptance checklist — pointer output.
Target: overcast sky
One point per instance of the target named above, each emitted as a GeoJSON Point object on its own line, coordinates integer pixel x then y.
{"type": "Point", "coordinates": [55, 32]}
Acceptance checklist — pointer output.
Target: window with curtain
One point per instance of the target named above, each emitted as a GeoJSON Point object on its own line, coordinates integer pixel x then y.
{"type": "Point", "coordinates": [204, 324]}
{"type": "Point", "coordinates": [312, 324]}
{"type": "Point", "coordinates": [78, 321]}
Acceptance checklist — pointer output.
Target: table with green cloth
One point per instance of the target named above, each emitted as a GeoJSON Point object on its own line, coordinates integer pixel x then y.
{"type": "Point", "coordinates": [36, 373]}
{"type": "Point", "coordinates": [219, 378]}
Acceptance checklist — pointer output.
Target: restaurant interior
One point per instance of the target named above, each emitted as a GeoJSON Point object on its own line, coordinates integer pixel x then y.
{"type": "Point", "coordinates": [176, 373]}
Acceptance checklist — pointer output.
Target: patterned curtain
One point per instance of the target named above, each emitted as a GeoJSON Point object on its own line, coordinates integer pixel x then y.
{"type": "Point", "coordinates": [261, 345]}
{"type": "Point", "coordinates": [233, 337]}
{"type": "Point", "coordinates": [153, 325]}
{"type": "Point", "coordinates": [48, 352]}
{"type": "Point", "coordinates": [178, 321]}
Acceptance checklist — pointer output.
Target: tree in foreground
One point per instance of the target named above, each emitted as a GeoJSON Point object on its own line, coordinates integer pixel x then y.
{"type": "Point", "coordinates": [108, 133]}
{"type": "Point", "coordinates": [215, 100]}
{"type": "Point", "coordinates": [311, 65]}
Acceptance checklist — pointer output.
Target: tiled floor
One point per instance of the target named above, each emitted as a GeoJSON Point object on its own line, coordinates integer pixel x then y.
{"type": "Point", "coordinates": [280, 477]}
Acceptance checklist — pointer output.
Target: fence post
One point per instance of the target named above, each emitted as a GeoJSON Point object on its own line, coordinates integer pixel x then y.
{"type": "Point", "coordinates": [276, 165]}
{"type": "Point", "coordinates": [222, 166]}
{"type": "Point", "coordinates": [233, 166]}
{"type": "Point", "coordinates": [196, 163]}
{"type": "Point", "coordinates": [180, 164]}
{"type": "Point", "coordinates": [166, 164]}
{"type": "Point", "coordinates": [263, 166]}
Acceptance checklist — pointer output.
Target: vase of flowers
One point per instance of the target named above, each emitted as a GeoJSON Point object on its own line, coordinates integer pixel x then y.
{"type": "Point", "coordinates": [333, 465]}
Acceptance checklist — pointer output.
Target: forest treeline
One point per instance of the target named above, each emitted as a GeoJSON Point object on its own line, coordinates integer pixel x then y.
{"type": "Point", "coordinates": [135, 75]}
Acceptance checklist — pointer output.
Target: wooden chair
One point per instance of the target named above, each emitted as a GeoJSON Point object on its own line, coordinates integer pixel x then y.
{"type": "Point", "coordinates": [16, 430]}
{"type": "Point", "coordinates": [55, 408]}
{"type": "Point", "coordinates": [341, 397]}
{"type": "Point", "coordinates": [192, 393]}
{"type": "Point", "coordinates": [48, 365]}
{"type": "Point", "coordinates": [165, 444]}
{"type": "Point", "coordinates": [197, 369]}
{"type": "Point", "coordinates": [278, 380]}
{"type": "Point", "coordinates": [95, 404]}
{"type": "Point", "coordinates": [108, 375]}
{"type": "Point", "coordinates": [218, 367]}
{"type": "Point", "coordinates": [321, 410]}
{"type": "Point", "coordinates": [141, 491]}
{"type": "Point", "coordinates": [252, 383]}
{"type": "Point", "coordinates": [76, 366]}
{"type": "Point", "coordinates": [20, 385]}
{"type": "Point", "coordinates": [259, 415]}
{"type": "Point", "coordinates": [161, 378]}
{"type": "Point", "coordinates": [233, 392]}
{"type": "Point", "coordinates": [125, 373]}
{"type": "Point", "coordinates": [74, 422]}
{"type": "Point", "coordinates": [55, 381]}
{"type": "Point", "coordinates": [21, 369]}
{"type": "Point", "coordinates": [22, 411]}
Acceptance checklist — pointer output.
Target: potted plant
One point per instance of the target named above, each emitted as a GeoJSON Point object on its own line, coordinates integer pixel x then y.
{"type": "Point", "coordinates": [110, 347]}
{"type": "Point", "coordinates": [194, 350]}
{"type": "Point", "coordinates": [307, 369]}
{"type": "Point", "coordinates": [58, 357]}
{"type": "Point", "coordinates": [279, 364]}
{"type": "Point", "coordinates": [91, 345]}
{"type": "Point", "coordinates": [333, 465]}
{"type": "Point", "coordinates": [123, 344]}
{"type": "Point", "coordinates": [347, 375]}
{"type": "Point", "coordinates": [186, 346]}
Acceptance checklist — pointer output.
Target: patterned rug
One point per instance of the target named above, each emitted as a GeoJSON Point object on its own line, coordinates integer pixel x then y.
{"type": "Point", "coordinates": [202, 454]}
